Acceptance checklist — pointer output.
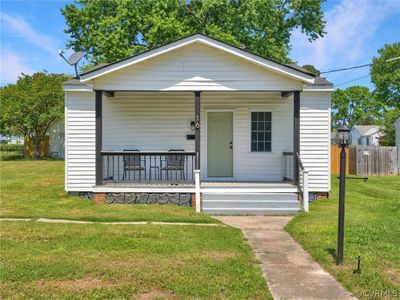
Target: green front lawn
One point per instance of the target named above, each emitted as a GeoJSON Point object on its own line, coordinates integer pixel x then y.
{"type": "Point", "coordinates": [35, 189]}
{"type": "Point", "coordinates": [97, 261]}
{"type": "Point", "coordinates": [372, 230]}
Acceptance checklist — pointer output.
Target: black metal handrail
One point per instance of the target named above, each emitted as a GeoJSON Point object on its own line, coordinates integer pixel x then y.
{"type": "Point", "coordinates": [288, 165]}
{"type": "Point", "coordinates": [299, 161]}
{"type": "Point", "coordinates": [133, 166]}
{"type": "Point", "coordinates": [287, 153]}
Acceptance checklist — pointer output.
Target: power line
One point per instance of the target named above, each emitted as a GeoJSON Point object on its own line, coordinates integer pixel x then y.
{"type": "Point", "coordinates": [357, 67]}
{"type": "Point", "coordinates": [345, 69]}
{"type": "Point", "coordinates": [352, 80]}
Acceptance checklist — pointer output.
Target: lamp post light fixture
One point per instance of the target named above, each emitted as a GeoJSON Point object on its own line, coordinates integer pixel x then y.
{"type": "Point", "coordinates": [343, 139]}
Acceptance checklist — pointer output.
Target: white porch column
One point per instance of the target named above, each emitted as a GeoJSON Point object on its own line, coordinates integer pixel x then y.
{"type": "Point", "coordinates": [197, 190]}
{"type": "Point", "coordinates": [305, 190]}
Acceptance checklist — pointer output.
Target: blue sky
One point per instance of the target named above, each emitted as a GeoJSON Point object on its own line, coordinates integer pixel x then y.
{"type": "Point", "coordinates": [32, 33]}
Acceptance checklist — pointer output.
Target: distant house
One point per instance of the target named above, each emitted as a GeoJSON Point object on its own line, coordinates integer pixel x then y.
{"type": "Point", "coordinates": [333, 138]}
{"type": "Point", "coordinates": [397, 126]}
{"type": "Point", "coordinates": [53, 143]}
{"type": "Point", "coordinates": [367, 135]}
{"type": "Point", "coordinates": [14, 140]}
{"type": "Point", "coordinates": [56, 139]}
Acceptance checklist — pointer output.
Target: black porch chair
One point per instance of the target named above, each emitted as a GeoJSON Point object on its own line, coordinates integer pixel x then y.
{"type": "Point", "coordinates": [133, 163]}
{"type": "Point", "coordinates": [175, 163]}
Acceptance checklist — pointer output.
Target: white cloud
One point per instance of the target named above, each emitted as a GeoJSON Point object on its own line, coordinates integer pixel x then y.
{"type": "Point", "coordinates": [350, 27]}
{"type": "Point", "coordinates": [19, 26]}
{"type": "Point", "coordinates": [12, 65]}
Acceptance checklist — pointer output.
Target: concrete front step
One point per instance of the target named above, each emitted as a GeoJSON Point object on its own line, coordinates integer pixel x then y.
{"type": "Point", "coordinates": [251, 211]}
{"type": "Point", "coordinates": [251, 203]}
{"type": "Point", "coordinates": [249, 196]}
{"type": "Point", "coordinates": [267, 203]}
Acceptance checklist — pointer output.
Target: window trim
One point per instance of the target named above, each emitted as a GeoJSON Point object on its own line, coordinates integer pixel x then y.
{"type": "Point", "coordinates": [249, 131]}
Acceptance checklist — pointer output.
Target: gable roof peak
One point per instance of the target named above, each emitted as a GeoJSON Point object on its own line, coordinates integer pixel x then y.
{"type": "Point", "coordinates": [294, 71]}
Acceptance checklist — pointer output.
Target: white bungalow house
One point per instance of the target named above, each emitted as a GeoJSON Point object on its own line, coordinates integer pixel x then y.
{"type": "Point", "coordinates": [367, 135]}
{"type": "Point", "coordinates": [199, 121]}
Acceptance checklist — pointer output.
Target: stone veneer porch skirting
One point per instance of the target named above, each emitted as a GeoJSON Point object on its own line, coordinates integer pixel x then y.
{"type": "Point", "coordinates": [181, 199]}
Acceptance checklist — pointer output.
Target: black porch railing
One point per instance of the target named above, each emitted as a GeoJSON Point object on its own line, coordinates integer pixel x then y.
{"type": "Point", "coordinates": [138, 166]}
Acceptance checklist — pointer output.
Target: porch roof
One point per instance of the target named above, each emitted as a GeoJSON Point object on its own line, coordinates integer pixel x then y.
{"type": "Point", "coordinates": [319, 81]}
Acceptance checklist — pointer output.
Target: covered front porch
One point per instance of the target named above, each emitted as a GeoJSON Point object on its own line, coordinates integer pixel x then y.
{"type": "Point", "coordinates": [163, 138]}
{"type": "Point", "coordinates": [163, 142]}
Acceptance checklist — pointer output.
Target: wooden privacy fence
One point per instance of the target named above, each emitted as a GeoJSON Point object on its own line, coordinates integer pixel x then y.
{"type": "Point", "coordinates": [373, 160]}
{"type": "Point", "coordinates": [335, 160]}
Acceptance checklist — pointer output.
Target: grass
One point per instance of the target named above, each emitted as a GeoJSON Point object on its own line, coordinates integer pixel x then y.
{"type": "Point", "coordinates": [35, 189]}
{"type": "Point", "coordinates": [372, 230]}
{"type": "Point", "coordinates": [11, 155]}
{"type": "Point", "coordinates": [96, 261]}
{"type": "Point", "coordinates": [99, 261]}
{"type": "Point", "coordinates": [11, 152]}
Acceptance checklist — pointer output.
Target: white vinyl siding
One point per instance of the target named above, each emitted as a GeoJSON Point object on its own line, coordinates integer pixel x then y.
{"type": "Point", "coordinates": [195, 67]}
{"type": "Point", "coordinates": [315, 138]}
{"type": "Point", "coordinates": [80, 141]}
{"type": "Point", "coordinates": [160, 121]}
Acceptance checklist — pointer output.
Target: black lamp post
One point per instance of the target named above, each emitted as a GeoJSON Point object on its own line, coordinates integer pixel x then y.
{"type": "Point", "coordinates": [343, 139]}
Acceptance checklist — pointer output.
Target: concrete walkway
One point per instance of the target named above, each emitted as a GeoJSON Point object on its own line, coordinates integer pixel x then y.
{"type": "Point", "coordinates": [65, 221]}
{"type": "Point", "coordinates": [290, 271]}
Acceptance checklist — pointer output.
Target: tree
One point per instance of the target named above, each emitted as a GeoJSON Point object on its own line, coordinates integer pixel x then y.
{"type": "Point", "coordinates": [389, 132]}
{"type": "Point", "coordinates": [312, 69]}
{"type": "Point", "coordinates": [354, 105]}
{"type": "Point", "coordinates": [32, 105]}
{"type": "Point", "coordinates": [385, 74]}
{"type": "Point", "coordinates": [108, 30]}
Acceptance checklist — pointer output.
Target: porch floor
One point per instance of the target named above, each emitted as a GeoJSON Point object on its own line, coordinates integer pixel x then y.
{"type": "Point", "coordinates": [206, 186]}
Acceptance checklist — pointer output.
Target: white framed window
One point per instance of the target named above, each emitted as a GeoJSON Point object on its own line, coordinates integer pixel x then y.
{"type": "Point", "coordinates": [360, 141]}
{"type": "Point", "coordinates": [261, 131]}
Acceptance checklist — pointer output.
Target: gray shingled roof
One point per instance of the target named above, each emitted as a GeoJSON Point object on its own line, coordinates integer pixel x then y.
{"type": "Point", "coordinates": [99, 66]}
{"type": "Point", "coordinates": [322, 81]}
{"type": "Point", "coordinates": [74, 81]}
{"type": "Point", "coordinates": [318, 80]}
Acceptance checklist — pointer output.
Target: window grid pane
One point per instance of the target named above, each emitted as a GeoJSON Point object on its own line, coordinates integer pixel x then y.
{"type": "Point", "coordinates": [261, 131]}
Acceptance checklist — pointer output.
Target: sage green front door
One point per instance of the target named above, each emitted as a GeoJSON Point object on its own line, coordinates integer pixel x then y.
{"type": "Point", "coordinates": [219, 144]}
